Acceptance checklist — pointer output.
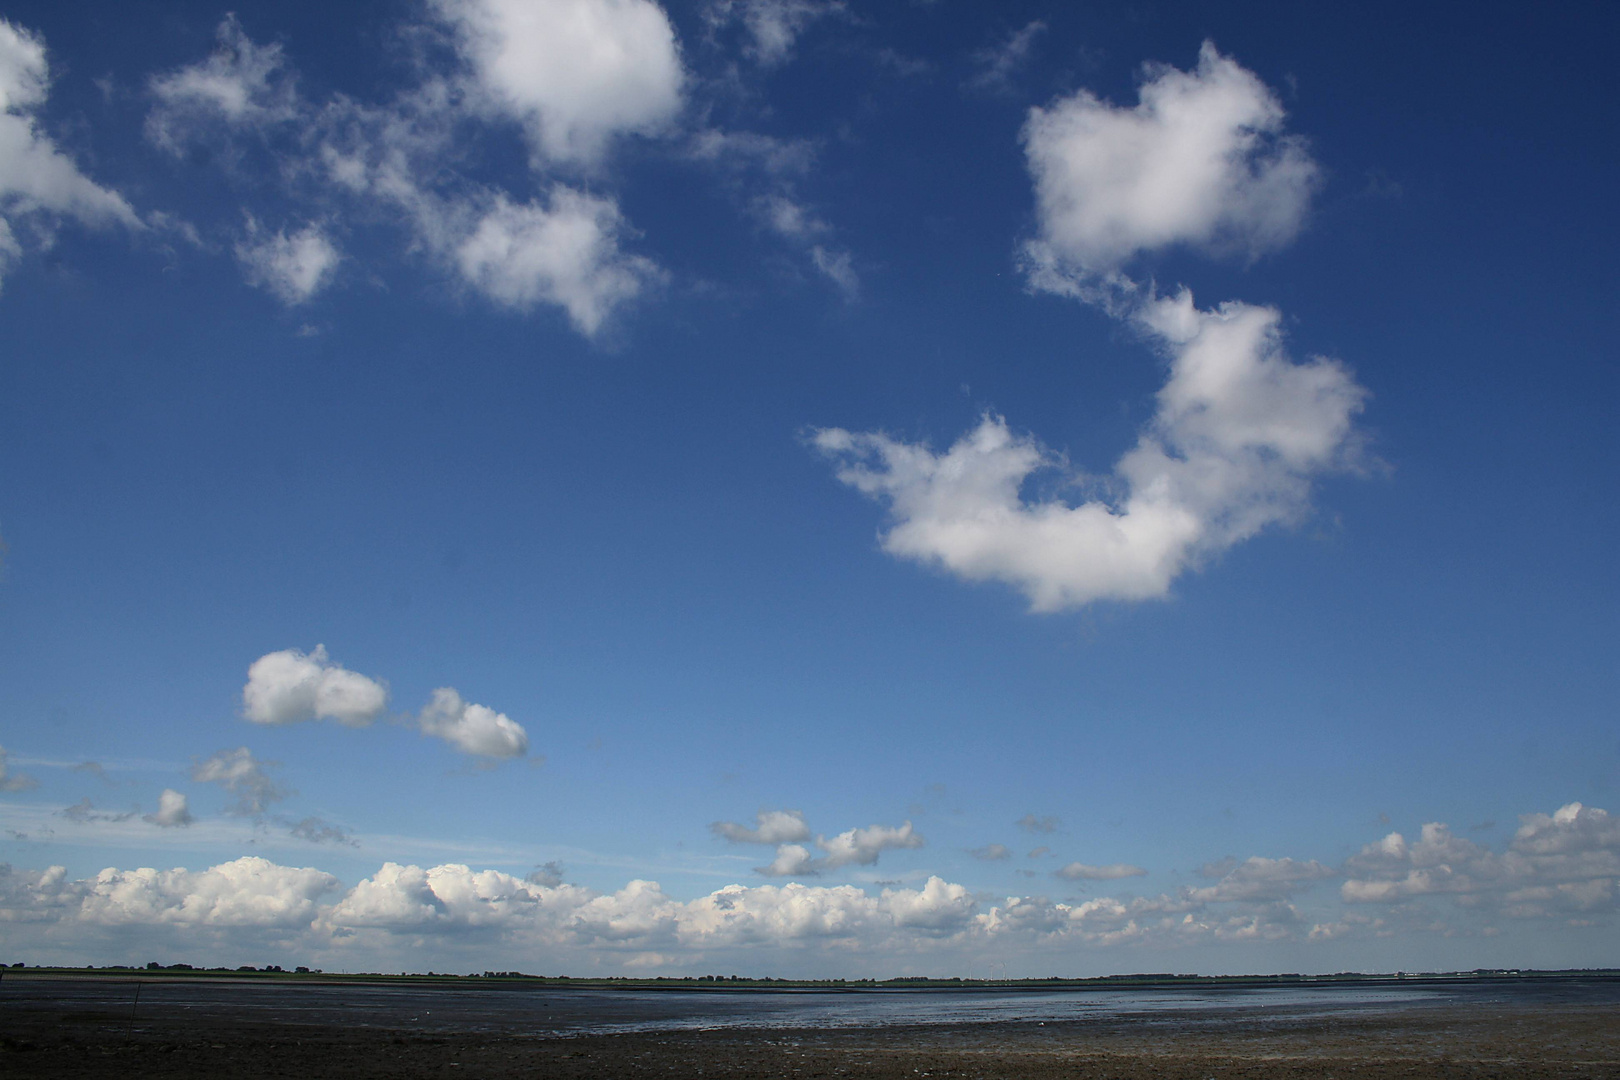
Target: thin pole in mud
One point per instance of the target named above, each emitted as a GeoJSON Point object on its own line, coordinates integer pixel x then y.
{"type": "Point", "coordinates": [129, 1030]}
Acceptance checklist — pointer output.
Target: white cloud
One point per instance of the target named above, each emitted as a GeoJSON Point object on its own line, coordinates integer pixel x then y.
{"type": "Point", "coordinates": [455, 898]}
{"type": "Point", "coordinates": [771, 166]}
{"type": "Point", "coordinates": [1258, 879]}
{"type": "Point", "coordinates": [787, 217]}
{"type": "Point", "coordinates": [770, 827]}
{"type": "Point", "coordinates": [991, 852]}
{"type": "Point", "coordinates": [938, 905]}
{"type": "Point", "coordinates": [1239, 434]}
{"type": "Point", "coordinates": [997, 65]}
{"type": "Point", "coordinates": [564, 250]}
{"type": "Point", "coordinates": [244, 776]}
{"type": "Point", "coordinates": [316, 831]}
{"type": "Point", "coordinates": [1078, 871]}
{"type": "Point", "coordinates": [1561, 866]}
{"type": "Point", "coordinates": [294, 268]}
{"type": "Point", "coordinates": [403, 159]}
{"type": "Point", "coordinates": [172, 810]}
{"type": "Point", "coordinates": [792, 860]}
{"type": "Point", "coordinates": [1557, 865]}
{"type": "Point", "coordinates": [1200, 160]}
{"type": "Point", "coordinates": [13, 781]}
{"type": "Point", "coordinates": [767, 914]}
{"type": "Point", "coordinates": [790, 219]}
{"type": "Point", "coordinates": [565, 253]}
{"type": "Point", "coordinates": [39, 185]}
{"type": "Point", "coordinates": [290, 686]}
{"type": "Point", "coordinates": [854, 847]}
{"type": "Point", "coordinates": [472, 729]}
{"type": "Point", "coordinates": [242, 85]}
{"type": "Point", "coordinates": [861, 847]}
{"type": "Point", "coordinates": [248, 892]}
{"type": "Point", "coordinates": [575, 72]}
{"type": "Point", "coordinates": [839, 268]}
{"type": "Point", "coordinates": [784, 828]}
{"type": "Point", "coordinates": [773, 25]}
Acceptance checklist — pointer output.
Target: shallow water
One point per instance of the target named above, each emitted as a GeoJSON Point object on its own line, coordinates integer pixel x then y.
{"type": "Point", "coordinates": [552, 1010]}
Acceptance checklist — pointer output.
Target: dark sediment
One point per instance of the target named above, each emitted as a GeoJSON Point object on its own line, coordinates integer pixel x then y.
{"type": "Point", "coordinates": [1454, 1039]}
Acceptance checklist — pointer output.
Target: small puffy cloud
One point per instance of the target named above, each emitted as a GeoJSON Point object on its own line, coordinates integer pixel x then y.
{"type": "Point", "coordinates": [791, 860]}
{"type": "Point", "coordinates": [1239, 434]}
{"type": "Point", "coordinates": [1078, 871]}
{"type": "Point", "coordinates": [790, 219]}
{"type": "Point", "coordinates": [243, 775]}
{"type": "Point", "coordinates": [770, 827]}
{"type": "Point", "coordinates": [316, 831]}
{"type": "Point", "coordinates": [854, 847]}
{"type": "Point", "coordinates": [574, 72]}
{"type": "Point", "coordinates": [13, 781]}
{"type": "Point", "coordinates": [472, 729]}
{"type": "Point", "coordinates": [772, 25]}
{"type": "Point", "coordinates": [39, 185]}
{"type": "Point", "coordinates": [991, 852]}
{"type": "Point", "coordinates": [289, 686]}
{"type": "Point", "coordinates": [839, 268]}
{"type": "Point", "coordinates": [242, 85]}
{"type": "Point", "coordinates": [172, 810]}
{"type": "Point", "coordinates": [565, 252]}
{"type": "Point", "coordinates": [1200, 160]}
{"type": "Point", "coordinates": [293, 268]}
{"type": "Point", "coordinates": [861, 847]}
{"type": "Point", "coordinates": [1032, 824]}
{"type": "Point", "coordinates": [996, 66]}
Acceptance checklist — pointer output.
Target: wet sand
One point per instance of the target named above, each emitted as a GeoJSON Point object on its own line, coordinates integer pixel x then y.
{"type": "Point", "coordinates": [74, 1037]}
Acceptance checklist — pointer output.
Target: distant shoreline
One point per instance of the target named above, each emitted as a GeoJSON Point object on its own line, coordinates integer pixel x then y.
{"type": "Point", "coordinates": [735, 984]}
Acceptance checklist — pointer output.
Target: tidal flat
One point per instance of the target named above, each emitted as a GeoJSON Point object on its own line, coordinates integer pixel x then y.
{"type": "Point", "coordinates": [92, 1026]}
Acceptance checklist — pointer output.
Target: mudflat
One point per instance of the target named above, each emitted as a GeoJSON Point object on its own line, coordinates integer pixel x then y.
{"type": "Point", "coordinates": [79, 1036]}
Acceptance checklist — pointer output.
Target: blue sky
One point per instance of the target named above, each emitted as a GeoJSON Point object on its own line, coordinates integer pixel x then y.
{"type": "Point", "coordinates": [928, 486]}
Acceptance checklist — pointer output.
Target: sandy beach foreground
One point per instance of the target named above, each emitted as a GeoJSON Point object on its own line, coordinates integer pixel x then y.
{"type": "Point", "coordinates": [76, 1038]}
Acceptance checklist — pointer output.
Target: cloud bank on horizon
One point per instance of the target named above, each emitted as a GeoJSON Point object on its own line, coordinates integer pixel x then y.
{"type": "Point", "coordinates": [1556, 867]}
